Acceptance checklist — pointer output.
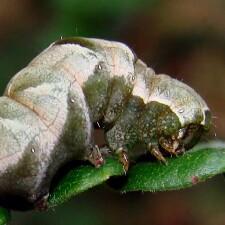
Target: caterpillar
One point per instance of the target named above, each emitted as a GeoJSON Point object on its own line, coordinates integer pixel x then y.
{"type": "Point", "coordinates": [50, 108]}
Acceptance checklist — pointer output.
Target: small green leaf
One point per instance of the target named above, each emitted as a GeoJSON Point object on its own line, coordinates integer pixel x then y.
{"type": "Point", "coordinates": [196, 165]}
{"type": "Point", "coordinates": [191, 168]}
{"type": "Point", "coordinates": [82, 179]}
{"type": "Point", "coordinates": [4, 216]}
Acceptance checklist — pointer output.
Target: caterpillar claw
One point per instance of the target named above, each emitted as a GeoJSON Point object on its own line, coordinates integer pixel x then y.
{"type": "Point", "coordinates": [154, 150]}
{"type": "Point", "coordinates": [171, 145]}
{"type": "Point", "coordinates": [42, 204]}
{"type": "Point", "coordinates": [95, 156]}
{"type": "Point", "coordinates": [123, 158]}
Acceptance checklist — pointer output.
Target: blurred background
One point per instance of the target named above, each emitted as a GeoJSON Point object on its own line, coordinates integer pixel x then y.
{"type": "Point", "coordinates": [185, 39]}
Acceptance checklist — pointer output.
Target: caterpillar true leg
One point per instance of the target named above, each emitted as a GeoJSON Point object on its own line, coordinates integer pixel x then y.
{"type": "Point", "coordinates": [123, 158]}
{"type": "Point", "coordinates": [95, 156]}
{"type": "Point", "coordinates": [154, 150]}
{"type": "Point", "coordinates": [170, 144]}
{"type": "Point", "coordinates": [42, 203]}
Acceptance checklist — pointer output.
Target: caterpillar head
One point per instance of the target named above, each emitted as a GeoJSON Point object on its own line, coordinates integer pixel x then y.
{"type": "Point", "coordinates": [185, 138]}
{"type": "Point", "coordinates": [188, 118]}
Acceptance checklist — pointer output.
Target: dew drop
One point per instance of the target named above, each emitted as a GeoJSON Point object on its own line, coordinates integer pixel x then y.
{"type": "Point", "coordinates": [181, 110]}
{"type": "Point", "coordinates": [181, 133]}
{"type": "Point", "coordinates": [32, 150]}
{"type": "Point", "coordinates": [33, 196]}
{"type": "Point", "coordinates": [99, 67]}
{"type": "Point", "coordinates": [72, 100]}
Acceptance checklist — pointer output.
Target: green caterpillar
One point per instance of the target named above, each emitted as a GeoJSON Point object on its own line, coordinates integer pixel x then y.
{"type": "Point", "coordinates": [49, 110]}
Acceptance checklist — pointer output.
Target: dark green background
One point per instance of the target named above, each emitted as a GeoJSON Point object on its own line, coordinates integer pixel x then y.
{"type": "Point", "coordinates": [185, 39]}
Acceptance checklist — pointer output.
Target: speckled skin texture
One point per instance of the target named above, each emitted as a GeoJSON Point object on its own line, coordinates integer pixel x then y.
{"type": "Point", "coordinates": [49, 108]}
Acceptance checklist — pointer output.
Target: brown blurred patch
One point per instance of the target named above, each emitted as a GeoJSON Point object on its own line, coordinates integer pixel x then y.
{"type": "Point", "coordinates": [16, 16]}
{"type": "Point", "coordinates": [192, 16]}
{"type": "Point", "coordinates": [205, 70]}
